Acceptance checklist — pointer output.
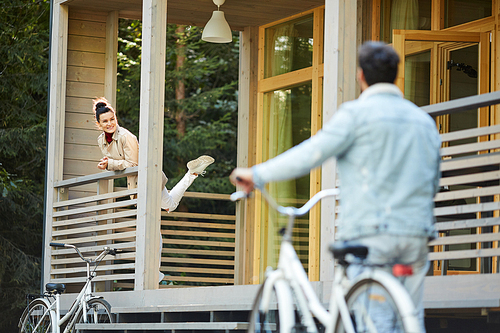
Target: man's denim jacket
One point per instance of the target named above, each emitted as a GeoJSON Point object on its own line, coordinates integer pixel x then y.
{"type": "Point", "coordinates": [387, 152]}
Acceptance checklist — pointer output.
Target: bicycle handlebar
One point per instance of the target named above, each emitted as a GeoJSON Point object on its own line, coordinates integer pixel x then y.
{"type": "Point", "coordinates": [289, 211]}
{"type": "Point", "coordinates": [106, 250]}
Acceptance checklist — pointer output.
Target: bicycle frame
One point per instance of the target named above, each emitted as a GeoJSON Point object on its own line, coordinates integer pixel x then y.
{"type": "Point", "coordinates": [291, 271]}
{"type": "Point", "coordinates": [80, 303]}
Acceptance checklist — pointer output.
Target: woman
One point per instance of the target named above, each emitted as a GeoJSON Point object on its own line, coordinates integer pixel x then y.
{"type": "Point", "coordinates": [121, 149]}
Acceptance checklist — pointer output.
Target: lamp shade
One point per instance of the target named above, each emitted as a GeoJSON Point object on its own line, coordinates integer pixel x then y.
{"type": "Point", "coordinates": [217, 29]}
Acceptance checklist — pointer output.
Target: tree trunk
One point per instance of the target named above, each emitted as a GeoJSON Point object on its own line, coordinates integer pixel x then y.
{"type": "Point", "coordinates": [180, 90]}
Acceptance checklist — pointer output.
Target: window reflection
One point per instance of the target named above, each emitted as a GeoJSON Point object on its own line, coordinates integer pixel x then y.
{"type": "Point", "coordinates": [289, 46]}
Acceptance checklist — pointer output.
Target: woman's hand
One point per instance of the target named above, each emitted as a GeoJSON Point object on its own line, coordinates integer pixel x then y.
{"type": "Point", "coordinates": [103, 164]}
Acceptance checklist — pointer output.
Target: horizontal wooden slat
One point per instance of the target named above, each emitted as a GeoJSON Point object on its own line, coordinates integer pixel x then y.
{"type": "Point", "coordinates": [87, 44]}
{"type": "Point", "coordinates": [470, 162]}
{"type": "Point", "coordinates": [78, 104]}
{"type": "Point", "coordinates": [469, 193]}
{"type": "Point", "coordinates": [170, 223]}
{"type": "Point", "coordinates": [81, 136]}
{"type": "Point", "coordinates": [167, 269]}
{"type": "Point", "coordinates": [464, 209]}
{"type": "Point", "coordinates": [462, 254]}
{"type": "Point", "coordinates": [87, 15]}
{"type": "Point", "coordinates": [197, 233]}
{"type": "Point", "coordinates": [465, 239]}
{"type": "Point", "coordinates": [95, 177]}
{"type": "Point", "coordinates": [94, 248]}
{"type": "Point", "coordinates": [465, 224]}
{"type": "Point", "coordinates": [83, 269]}
{"type": "Point", "coordinates": [96, 228]}
{"type": "Point", "coordinates": [114, 205]}
{"type": "Point", "coordinates": [87, 28]}
{"type": "Point", "coordinates": [99, 238]}
{"type": "Point", "coordinates": [98, 278]}
{"type": "Point", "coordinates": [95, 218]}
{"type": "Point", "coordinates": [87, 75]}
{"type": "Point", "coordinates": [80, 167]}
{"type": "Point", "coordinates": [86, 59]}
{"type": "Point", "coordinates": [470, 133]}
{"type": "Point", "coordinates": [75, 260]}
{"type": "Point", "coordinates": [210, 196]}
{"type": "Point", "coordinates": [468, 179]}
{"type": "Point", "coordinates": [82, 152]}
{"type": "Point", "coordinates": [200, 216]}
{"type": "Point", "coordinates": [199, 252]}
{"type": "Point", "coordinates": [198, 279]}
{"type": "Point", "coordinates": [470, 148]}
{"type": "Point", "coordinates": [94, 198]}
{"type": "Point", "coordinates": [463, 104]}
{"type": "Point", "coordinates": [84, 121]}
{"type": "Point", "coordinates": [84, 89]}
{"type": "Point", "coordinates": [198, 261]}
{"type": "Point", "coordinates": [196, 242]}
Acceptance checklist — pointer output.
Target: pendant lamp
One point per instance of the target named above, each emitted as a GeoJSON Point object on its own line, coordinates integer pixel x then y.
{"type": "Point", "coordinates": [217, 29]}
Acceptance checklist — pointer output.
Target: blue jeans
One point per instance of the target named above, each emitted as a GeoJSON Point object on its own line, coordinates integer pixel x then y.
{"type": "Point", "coordinates": [390, 249]}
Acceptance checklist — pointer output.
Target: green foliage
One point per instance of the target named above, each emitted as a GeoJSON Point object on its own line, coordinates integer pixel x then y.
{"type": "Point", "coordinates": [204, 121]}
{"type": "Point", "coordinates": [24, 46]}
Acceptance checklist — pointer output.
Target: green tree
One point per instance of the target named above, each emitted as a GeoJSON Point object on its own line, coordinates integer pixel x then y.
{"type": "Point", "coordinates": [24, 45]}
{"type": "Point", "coordinates": [200, 100]}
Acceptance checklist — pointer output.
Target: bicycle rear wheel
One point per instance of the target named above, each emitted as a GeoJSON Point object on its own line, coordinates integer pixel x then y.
{"type": "Point", "coordinates": [98, 312]}
{"type": "Point", "coordinates": [372, 309]}
{"type": "Point", "coordinates": [36, 319]}
{"type": "Point", "coordinates": [273, 314]}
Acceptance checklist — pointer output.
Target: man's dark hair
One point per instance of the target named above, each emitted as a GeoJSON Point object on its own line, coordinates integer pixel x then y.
{"type": "Point", "coordinates": [379, 62]}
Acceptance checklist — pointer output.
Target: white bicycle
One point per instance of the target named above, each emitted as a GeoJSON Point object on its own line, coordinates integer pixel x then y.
{"type": "Point", "coordinates": [43, 314]}
{"type": "Point", "coordinates": [286, 301]}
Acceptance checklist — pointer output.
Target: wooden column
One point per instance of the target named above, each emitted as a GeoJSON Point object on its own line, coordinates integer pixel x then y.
{"type": "Point", "coordinates": [247, 111]}
{"type": "Point", "coordinates": [111, 66]}
{"type": "Point", "coordinates": [154, 22]}
{"type": "Point", "coordinates": [55, 122]}
{"type": "Point", "coordinates": [339, 85]}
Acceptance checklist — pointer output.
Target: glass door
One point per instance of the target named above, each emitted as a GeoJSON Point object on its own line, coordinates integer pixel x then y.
{"type": "Point", "coordinates": [441, 66]}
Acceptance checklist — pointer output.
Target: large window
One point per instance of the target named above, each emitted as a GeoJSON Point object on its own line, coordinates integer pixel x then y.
{"type": "Point", "coordinates": [290, 92]}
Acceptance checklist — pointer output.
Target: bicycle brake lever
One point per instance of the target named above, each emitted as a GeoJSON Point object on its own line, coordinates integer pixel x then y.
{"type": "Point", "coordinates": [114, 252]}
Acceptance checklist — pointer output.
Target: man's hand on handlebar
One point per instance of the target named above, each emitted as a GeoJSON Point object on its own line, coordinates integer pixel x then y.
{"type": "Point", "coordinates": [243, 177]}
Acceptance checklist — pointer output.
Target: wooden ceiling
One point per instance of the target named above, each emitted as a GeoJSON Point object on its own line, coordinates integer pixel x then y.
{"type": "Point", "coordinates": [238, 13]}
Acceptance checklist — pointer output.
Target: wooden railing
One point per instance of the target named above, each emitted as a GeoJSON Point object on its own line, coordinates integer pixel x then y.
{"type": "Point", "coordinates": [198, 248]}
{"type": "Point", "coordinates": [468, 205]}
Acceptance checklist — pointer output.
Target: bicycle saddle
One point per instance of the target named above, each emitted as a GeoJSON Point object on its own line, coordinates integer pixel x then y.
{"type": "Point", "coordinates": [341, 249]}
{"type": "Point", "coordinates": [55, 288]}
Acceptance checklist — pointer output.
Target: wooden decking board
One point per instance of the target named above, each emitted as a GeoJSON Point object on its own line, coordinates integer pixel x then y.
{"type": "Point", "coordinates": [166, 326]}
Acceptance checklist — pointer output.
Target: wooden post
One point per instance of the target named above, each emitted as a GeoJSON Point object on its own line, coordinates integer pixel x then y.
{"type": "Point", "coordinates": [339, 85]}
{"type": "Point", "coordinates": [247, 110]}
{"type": "Point", "coordinates": [154, 22]}
{"type": "Point", "coordinates": [111, 65]}
{"type": "Point", "coordinates": [56, 121]}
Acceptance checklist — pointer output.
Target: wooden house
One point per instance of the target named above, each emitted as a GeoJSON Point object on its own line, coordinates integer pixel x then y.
{"type": "Point", "coordinates": [297, 64]}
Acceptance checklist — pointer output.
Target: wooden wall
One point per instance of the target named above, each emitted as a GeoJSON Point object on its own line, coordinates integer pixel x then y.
{"type": "Point", "coordinates": [85, 81]}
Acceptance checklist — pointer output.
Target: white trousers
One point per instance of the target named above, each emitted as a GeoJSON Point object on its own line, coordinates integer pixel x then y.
{"type": "Point", "coordinates": [170, 199]}
{"type": "Point", "coordinates": [390, 249]}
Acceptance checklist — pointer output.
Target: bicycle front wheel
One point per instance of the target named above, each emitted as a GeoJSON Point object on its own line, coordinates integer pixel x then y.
{"type": "Point", "coordinates": [272, 310]}
{"type": "Point", "coordinates": [36, 319]}
{"type": "Point", "coordinates": [98, 312]}
{"type": "Point", "coordinates": [372, 309]}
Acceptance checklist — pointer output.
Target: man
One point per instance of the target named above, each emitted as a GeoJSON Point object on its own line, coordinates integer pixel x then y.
{"type": "Point", "coordinates": [387, 152]}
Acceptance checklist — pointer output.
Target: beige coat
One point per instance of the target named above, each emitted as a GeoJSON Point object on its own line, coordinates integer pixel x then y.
{"type": "Point", "coordinates": [123, 152]}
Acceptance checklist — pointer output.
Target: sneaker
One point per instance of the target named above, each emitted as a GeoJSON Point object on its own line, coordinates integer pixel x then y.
{"type": "Point", "coordinates": [161, 277]}
{"type": "Point", "coordinates": [198, 165]}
